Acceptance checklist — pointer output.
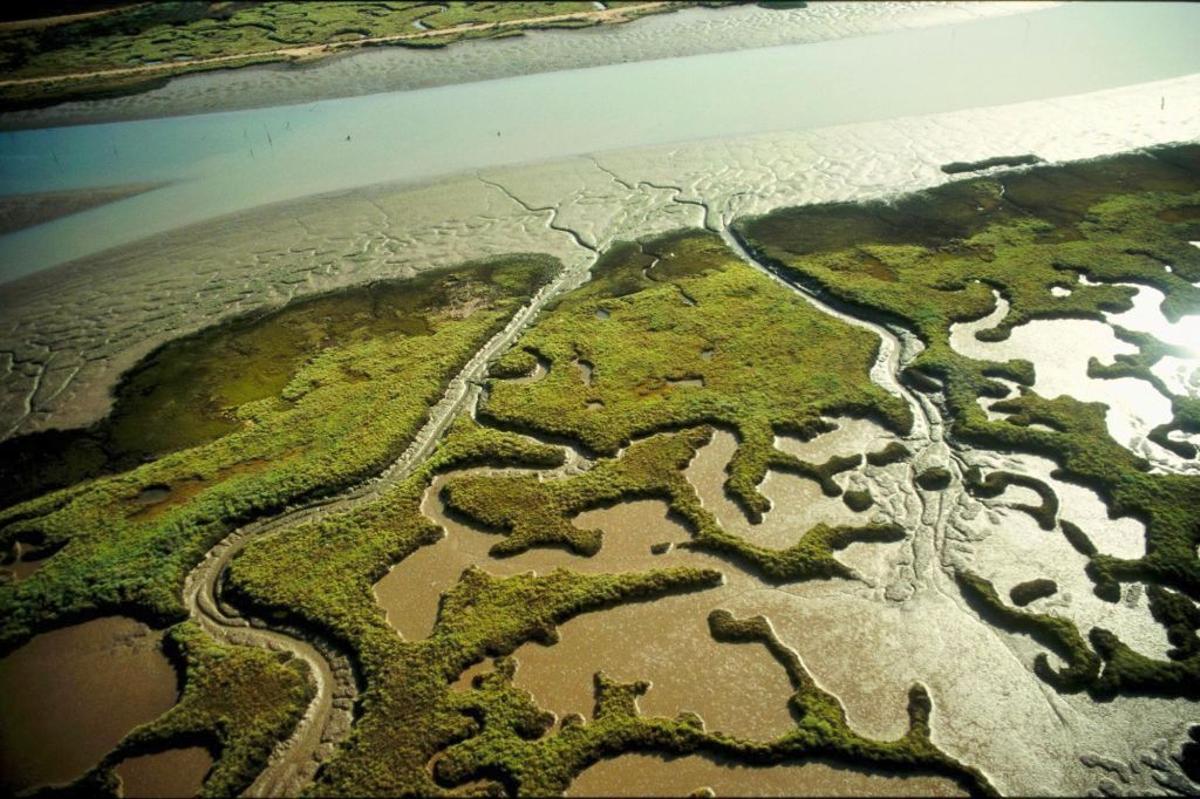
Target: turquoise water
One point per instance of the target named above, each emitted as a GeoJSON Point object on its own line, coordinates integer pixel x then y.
{"type": "Point", "coordinates": [225, 162]}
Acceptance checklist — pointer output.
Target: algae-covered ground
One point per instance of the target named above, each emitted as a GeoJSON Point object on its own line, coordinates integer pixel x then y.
{"type": "Point", "coordinates": [606, 397]}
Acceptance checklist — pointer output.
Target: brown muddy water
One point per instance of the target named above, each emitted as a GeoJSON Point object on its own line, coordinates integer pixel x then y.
{"type": "Point", "coordinates": [23, 561]}
{"type": "Point", "coordinates": [738, 688]}
{"type": "Point", "coordinates": [651, 775]}
{"type": "Point", "coordinates": [68, 697]}
{"type": "Point", "coordinates": [797, 503]}
{"type": "Point", "coordinates": [170, 774]}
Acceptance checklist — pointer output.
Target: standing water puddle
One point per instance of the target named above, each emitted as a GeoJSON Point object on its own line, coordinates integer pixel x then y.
{"type": "Point", "coordinates": [1134, 406]}
{"type": "Point", "coordinates": [68, 697]}
{"type": "Point", "coordinates": [169, 774]}
{"type": "Point", "coordinates": [797, 503]}
{"type": "Point", "coordinates": [738, 688]}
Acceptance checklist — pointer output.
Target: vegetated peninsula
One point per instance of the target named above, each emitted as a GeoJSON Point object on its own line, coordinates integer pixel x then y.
{"type": "Point", "coordinates": [126, 48]}
{"type": "Point", "coordinates": [294, 456]}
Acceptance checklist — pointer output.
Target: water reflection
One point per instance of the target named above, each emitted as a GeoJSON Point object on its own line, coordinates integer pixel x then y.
{"type": "Point", "coordinates": [1135, 407]}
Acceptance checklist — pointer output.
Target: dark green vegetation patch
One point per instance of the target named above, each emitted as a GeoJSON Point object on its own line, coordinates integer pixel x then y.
{"type": "Point", "coordinates": [102, 53]}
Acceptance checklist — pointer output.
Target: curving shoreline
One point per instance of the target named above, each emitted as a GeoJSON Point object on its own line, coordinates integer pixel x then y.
{"type": "Point", "coordinates": [329, 717]}
{"type": "Point", "coordinates": [357, 71]}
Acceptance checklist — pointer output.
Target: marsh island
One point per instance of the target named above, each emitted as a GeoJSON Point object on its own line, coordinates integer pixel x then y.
{"type": "Point", "coordinates": [415, 440]}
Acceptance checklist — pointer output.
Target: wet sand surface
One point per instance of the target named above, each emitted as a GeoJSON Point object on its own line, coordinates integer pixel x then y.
{"type": "Point", "coordinates": [650, 775]}
{"type": "Point", "coordinates": [169, 774]}
{"type": "Point", "coordinates": [68, 696]}
{"type": "Point", "coordinates": [26, 210]}
{"type": "Point", "coordinates": [1016, 550]}
{"type": "Point", "coordinates": [73, 342]}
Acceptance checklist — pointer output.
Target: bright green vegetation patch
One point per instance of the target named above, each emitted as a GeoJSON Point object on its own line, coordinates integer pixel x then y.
{"type": "Point", "coordinates": [930, 259]}
{"type": "Point", "coordinates": [308, 425]}
{"type": "Point", "coordinates": [678, 332]}
{"type": "Point", "coordinates": [320, 575]}
{"type": "Point", "coordinates": [170, 35]}
{"type": "Point", "coordinates": [237, 702]}
{"type": "Point", "coordinates": [997, 482]}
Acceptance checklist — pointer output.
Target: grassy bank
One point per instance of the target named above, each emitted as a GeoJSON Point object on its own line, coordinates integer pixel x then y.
{"type": "Point", "coordinates": [142, 45]}
{"type": "Point", "coordinates": [257, 414]}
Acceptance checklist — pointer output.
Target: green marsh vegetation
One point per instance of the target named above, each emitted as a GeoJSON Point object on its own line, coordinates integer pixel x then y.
{"type": "Point", "coordinates": [673, 337]}
{"type": "Point", "coordinates": [410, 716]}
{"type": "Point", "coordinates": [931, 259]}
{"type": "Point", "coordinates": [237, 702]}
{"type": "Point", "coordinates": [299, 423]}
{"type": "Point", "coordinates": [678, 333]}
{"type": "Point", "coordinates": [321, 574]}
{"type": "Point", "coordinates": [170, 35]}
{"type": "Point", "coordinates": [531, 512]}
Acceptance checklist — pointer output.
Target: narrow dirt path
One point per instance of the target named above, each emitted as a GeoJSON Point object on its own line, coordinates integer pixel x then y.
{"type": "Point", "coordinates": [607, 15]}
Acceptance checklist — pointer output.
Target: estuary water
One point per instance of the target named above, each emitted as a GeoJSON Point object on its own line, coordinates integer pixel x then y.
{"type": "Point", "coordinates": [222, 163]}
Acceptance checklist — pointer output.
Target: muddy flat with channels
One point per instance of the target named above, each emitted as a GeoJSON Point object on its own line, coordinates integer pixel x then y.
{"type": "Point", "coordinates": [606, 428]}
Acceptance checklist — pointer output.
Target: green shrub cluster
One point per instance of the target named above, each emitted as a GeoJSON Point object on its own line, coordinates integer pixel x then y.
{"type": "Point", "coordinates": [683, 307]}
{"type": "Point", "coordinates": [1029, 591]}
{"type": "Point", "coordinates": [532, 512]}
